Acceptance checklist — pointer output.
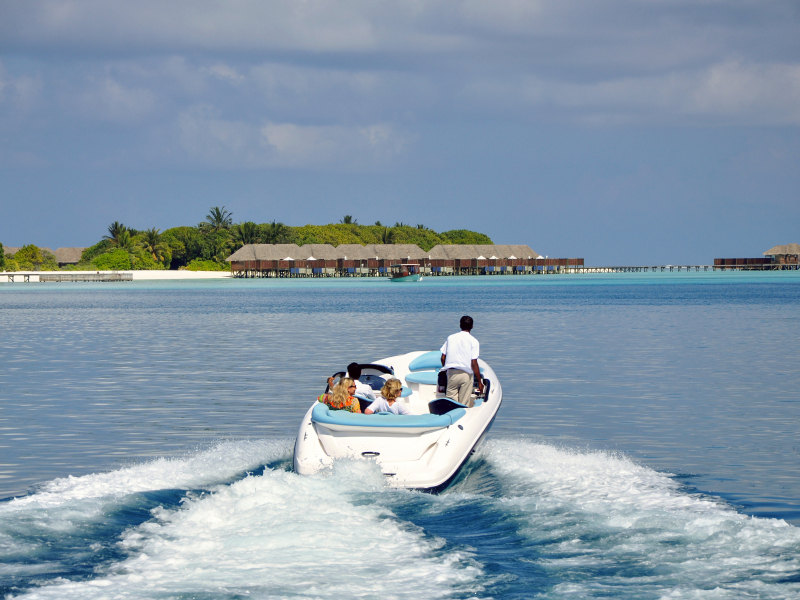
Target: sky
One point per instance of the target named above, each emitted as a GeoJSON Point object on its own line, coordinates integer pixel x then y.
{"type": "Point", "coordinates": [624, 132]}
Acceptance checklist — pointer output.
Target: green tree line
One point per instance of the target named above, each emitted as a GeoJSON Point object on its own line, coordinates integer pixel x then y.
{"type": "Point", "coordinates": [205, 247]}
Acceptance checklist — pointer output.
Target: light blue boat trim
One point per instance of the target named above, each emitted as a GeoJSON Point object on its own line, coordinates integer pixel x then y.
{"type": "Point", "coordinates": [429, 360]}
{"type": "Point", "coordinates": [405, 279]}
{"type": "Point", "coordinates": [424, 377]}
{"type": "Point", "coordinates": [324, 415]}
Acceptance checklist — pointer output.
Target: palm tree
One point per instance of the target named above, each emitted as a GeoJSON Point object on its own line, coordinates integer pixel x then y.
{"type": "Point", "coordinates": [150, 242]}
{"type": "Point", "coordinates": [219, 247]}
{"type": "Point", "coordinates": [276, 233]}
{"type": "Point", "coordinates": [400, 224]}
{"type": "Point", "coordinates": [378, 224]}
{"type": "Point", "coordinates": [420, 226]}
{"type": "Point", "coordinates": [387, 237]}
{"type": "Point", "coordinates": [114, 230]}
{"type": "Point", "coordinates": [246, 233]}
{"type": "Point", "coordinates": [218, 218]}
{"type": "Point", "coordinates": [349, 220]}
{"type": "Point", "coordinates": [125, 241]}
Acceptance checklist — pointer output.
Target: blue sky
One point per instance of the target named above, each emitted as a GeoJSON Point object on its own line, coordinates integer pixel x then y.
{"type": "Point", "coordinates": [624, 131]}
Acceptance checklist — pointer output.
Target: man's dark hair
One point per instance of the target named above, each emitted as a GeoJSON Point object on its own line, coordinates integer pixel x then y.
{"type": "Point", "coordinates": [354, 370]}
{"type": "Point", "coordinates": [466, 323]}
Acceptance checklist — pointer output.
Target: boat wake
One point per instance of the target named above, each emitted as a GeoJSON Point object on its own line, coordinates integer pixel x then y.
{"type": "Point", "coordinates": [523, 519]}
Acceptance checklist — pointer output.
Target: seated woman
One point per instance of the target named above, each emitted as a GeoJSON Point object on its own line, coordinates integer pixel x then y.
{"type": "Point", "coordinates": [341, 397]}
{"type": "Point", "coordinates": [390, 391]}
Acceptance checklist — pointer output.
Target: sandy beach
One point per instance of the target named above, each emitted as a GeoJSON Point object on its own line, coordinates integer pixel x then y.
{"type": "Point", "coordinates": [19, 276]}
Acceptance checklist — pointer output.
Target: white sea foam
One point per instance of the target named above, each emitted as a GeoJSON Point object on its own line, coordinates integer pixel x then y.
{"type": "Point", "coordinates": [221, 462]}
{"type": "Point", "coordinates": [281, 535]}
{"type": "Point", "coordinates": [608, 526]}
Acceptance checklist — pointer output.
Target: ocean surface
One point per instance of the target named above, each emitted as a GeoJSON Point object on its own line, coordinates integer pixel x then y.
{"type": "Point", "coordinates": [647, 444]}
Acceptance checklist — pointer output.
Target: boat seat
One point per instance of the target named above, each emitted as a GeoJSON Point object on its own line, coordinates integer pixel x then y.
{"type": "Point", "coordinates": [324, 415]}
{"type": "Point", "coordinates": [423, 377]}
{"type": "Point", "coordinates": [444, 406]}
{"type": "Point", "coordinates": [429, 360]}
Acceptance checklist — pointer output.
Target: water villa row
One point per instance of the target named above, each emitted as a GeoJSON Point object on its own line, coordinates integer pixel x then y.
{"type": "Point", "coordinates": [777, 258]}
{"type": "Point", "coordinates": [375, 260]}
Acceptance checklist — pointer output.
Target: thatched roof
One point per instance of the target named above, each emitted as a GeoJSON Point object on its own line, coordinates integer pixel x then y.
{"type": "Point", "coordinates": [317, 251]}
{"type": "Point", "coordinates": [467, 251]}
{"type": "Point", "coordinates": [787, 249]}
{"type": "Point", "coordinates": [327, 252]}
{"type": "Point", "coordinates": [354, 252]}
{"type": "Point", "coordinates": [267, 252]}
{"type": "Point", "coordinates": [397, 251]}
{"type": "Point", "coordinates": [68, 256]}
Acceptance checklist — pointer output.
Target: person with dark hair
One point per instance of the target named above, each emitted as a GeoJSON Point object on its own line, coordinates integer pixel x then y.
{"type": "Point", "coordinates": [460, 361]}
{"type": "Point", "coordinates": [354, 373]}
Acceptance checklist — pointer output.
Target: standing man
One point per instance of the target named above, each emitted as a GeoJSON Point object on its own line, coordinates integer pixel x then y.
{"type": "Point", "coordinates": [460, 360]}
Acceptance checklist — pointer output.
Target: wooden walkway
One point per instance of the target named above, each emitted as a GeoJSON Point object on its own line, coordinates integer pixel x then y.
{"type": "Point", "coordinates": [58, 277]}
{"type": "Point", "coordinates": [687, 268]}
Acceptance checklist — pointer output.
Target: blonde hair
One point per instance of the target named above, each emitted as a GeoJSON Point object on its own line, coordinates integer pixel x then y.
{"type": "Point", "coordinates": [341, 392]}
{"type": "Point", "coordinates": [392, 389]}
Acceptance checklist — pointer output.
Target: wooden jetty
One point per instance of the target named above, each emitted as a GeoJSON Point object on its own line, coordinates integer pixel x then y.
{"type": "Point", "coordinates": [14, 277]}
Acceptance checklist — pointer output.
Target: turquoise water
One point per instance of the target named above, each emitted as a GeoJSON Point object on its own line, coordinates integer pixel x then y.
{"type": "Point", "coordinates": [646, 446]}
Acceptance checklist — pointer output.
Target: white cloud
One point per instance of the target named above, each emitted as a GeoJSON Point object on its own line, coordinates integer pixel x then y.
{"type": "Point", "coordinates": [22, 93]}
{"type": "Point", "coordinates": [208, 138]}
{"type": "Point", "coordinates": [298, 146]}
{"type": "Point", "coordinates": [224, 72]}
{"type": "Point", "coordinates": [317, 84]}
{"type": "Point", "coordinates": [729, 93]}
{"type": "Point", "coordinates": [106, 99]}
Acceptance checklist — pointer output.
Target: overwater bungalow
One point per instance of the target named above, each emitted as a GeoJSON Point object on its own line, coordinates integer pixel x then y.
{"type": "Point", "coordinates": [784, 255]}
{"type": "Point", "coordinates": [355, 260]}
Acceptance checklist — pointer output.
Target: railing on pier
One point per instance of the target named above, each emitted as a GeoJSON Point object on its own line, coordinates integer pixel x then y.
{"type": "Point", "coordinates": [13, 277]}
{"type": "Point", "coordinates": [86, 277]}
{"type": "Point", "coordinates": [645, 269]}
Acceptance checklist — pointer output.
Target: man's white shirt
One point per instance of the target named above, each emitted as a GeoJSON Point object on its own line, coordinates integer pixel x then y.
{"type": "Point", "coordinates": [460, 350]}
{"type": "Point", "coordinates": [362, 389]}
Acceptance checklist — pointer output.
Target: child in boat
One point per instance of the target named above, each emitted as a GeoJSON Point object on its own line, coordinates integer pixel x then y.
{"type": "Point", "coordinates": [341, 398]}
{"type": "Point", "coordinates": [390, 391]}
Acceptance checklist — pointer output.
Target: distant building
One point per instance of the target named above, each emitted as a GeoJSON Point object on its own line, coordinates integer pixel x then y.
{"type": "Point", "coordinates": [481, 252]}
{"type": "Point", "coordinates": [377, 260]}
{"type": "Point", "coordinates": [327, 252]}
{"type": "Point", "coordinates": [784, 255]}
{"type": "Point", "coordinates": [64, 256]}
{"type": "Point", "coordinates": [68, 256]}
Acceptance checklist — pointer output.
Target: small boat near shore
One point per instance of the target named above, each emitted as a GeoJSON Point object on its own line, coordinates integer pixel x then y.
{"type": "Point", "coordinates": [424, 450]}
{"type": "Point", "coordinates": [405, 272]}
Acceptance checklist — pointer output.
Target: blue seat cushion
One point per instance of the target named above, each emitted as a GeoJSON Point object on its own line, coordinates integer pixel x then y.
{"type": "Point", "coordinates": [424, 377]}
{"type": "Point", "coordinates": [445, 406]}
{"type": "Point", "coordinates": [324, 415]}
{"type": "Point", "coordinates": [429, 360]}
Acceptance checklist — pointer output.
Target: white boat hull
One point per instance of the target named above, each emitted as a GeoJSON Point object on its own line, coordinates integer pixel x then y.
{"type": "Point", "coordinates": [422, 452]}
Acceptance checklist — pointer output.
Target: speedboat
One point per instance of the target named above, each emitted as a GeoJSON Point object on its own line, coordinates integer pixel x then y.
{"type": "Point", "coordinates": [405, 272]}
{"type": "Point", "coordinates": [424, 450]}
